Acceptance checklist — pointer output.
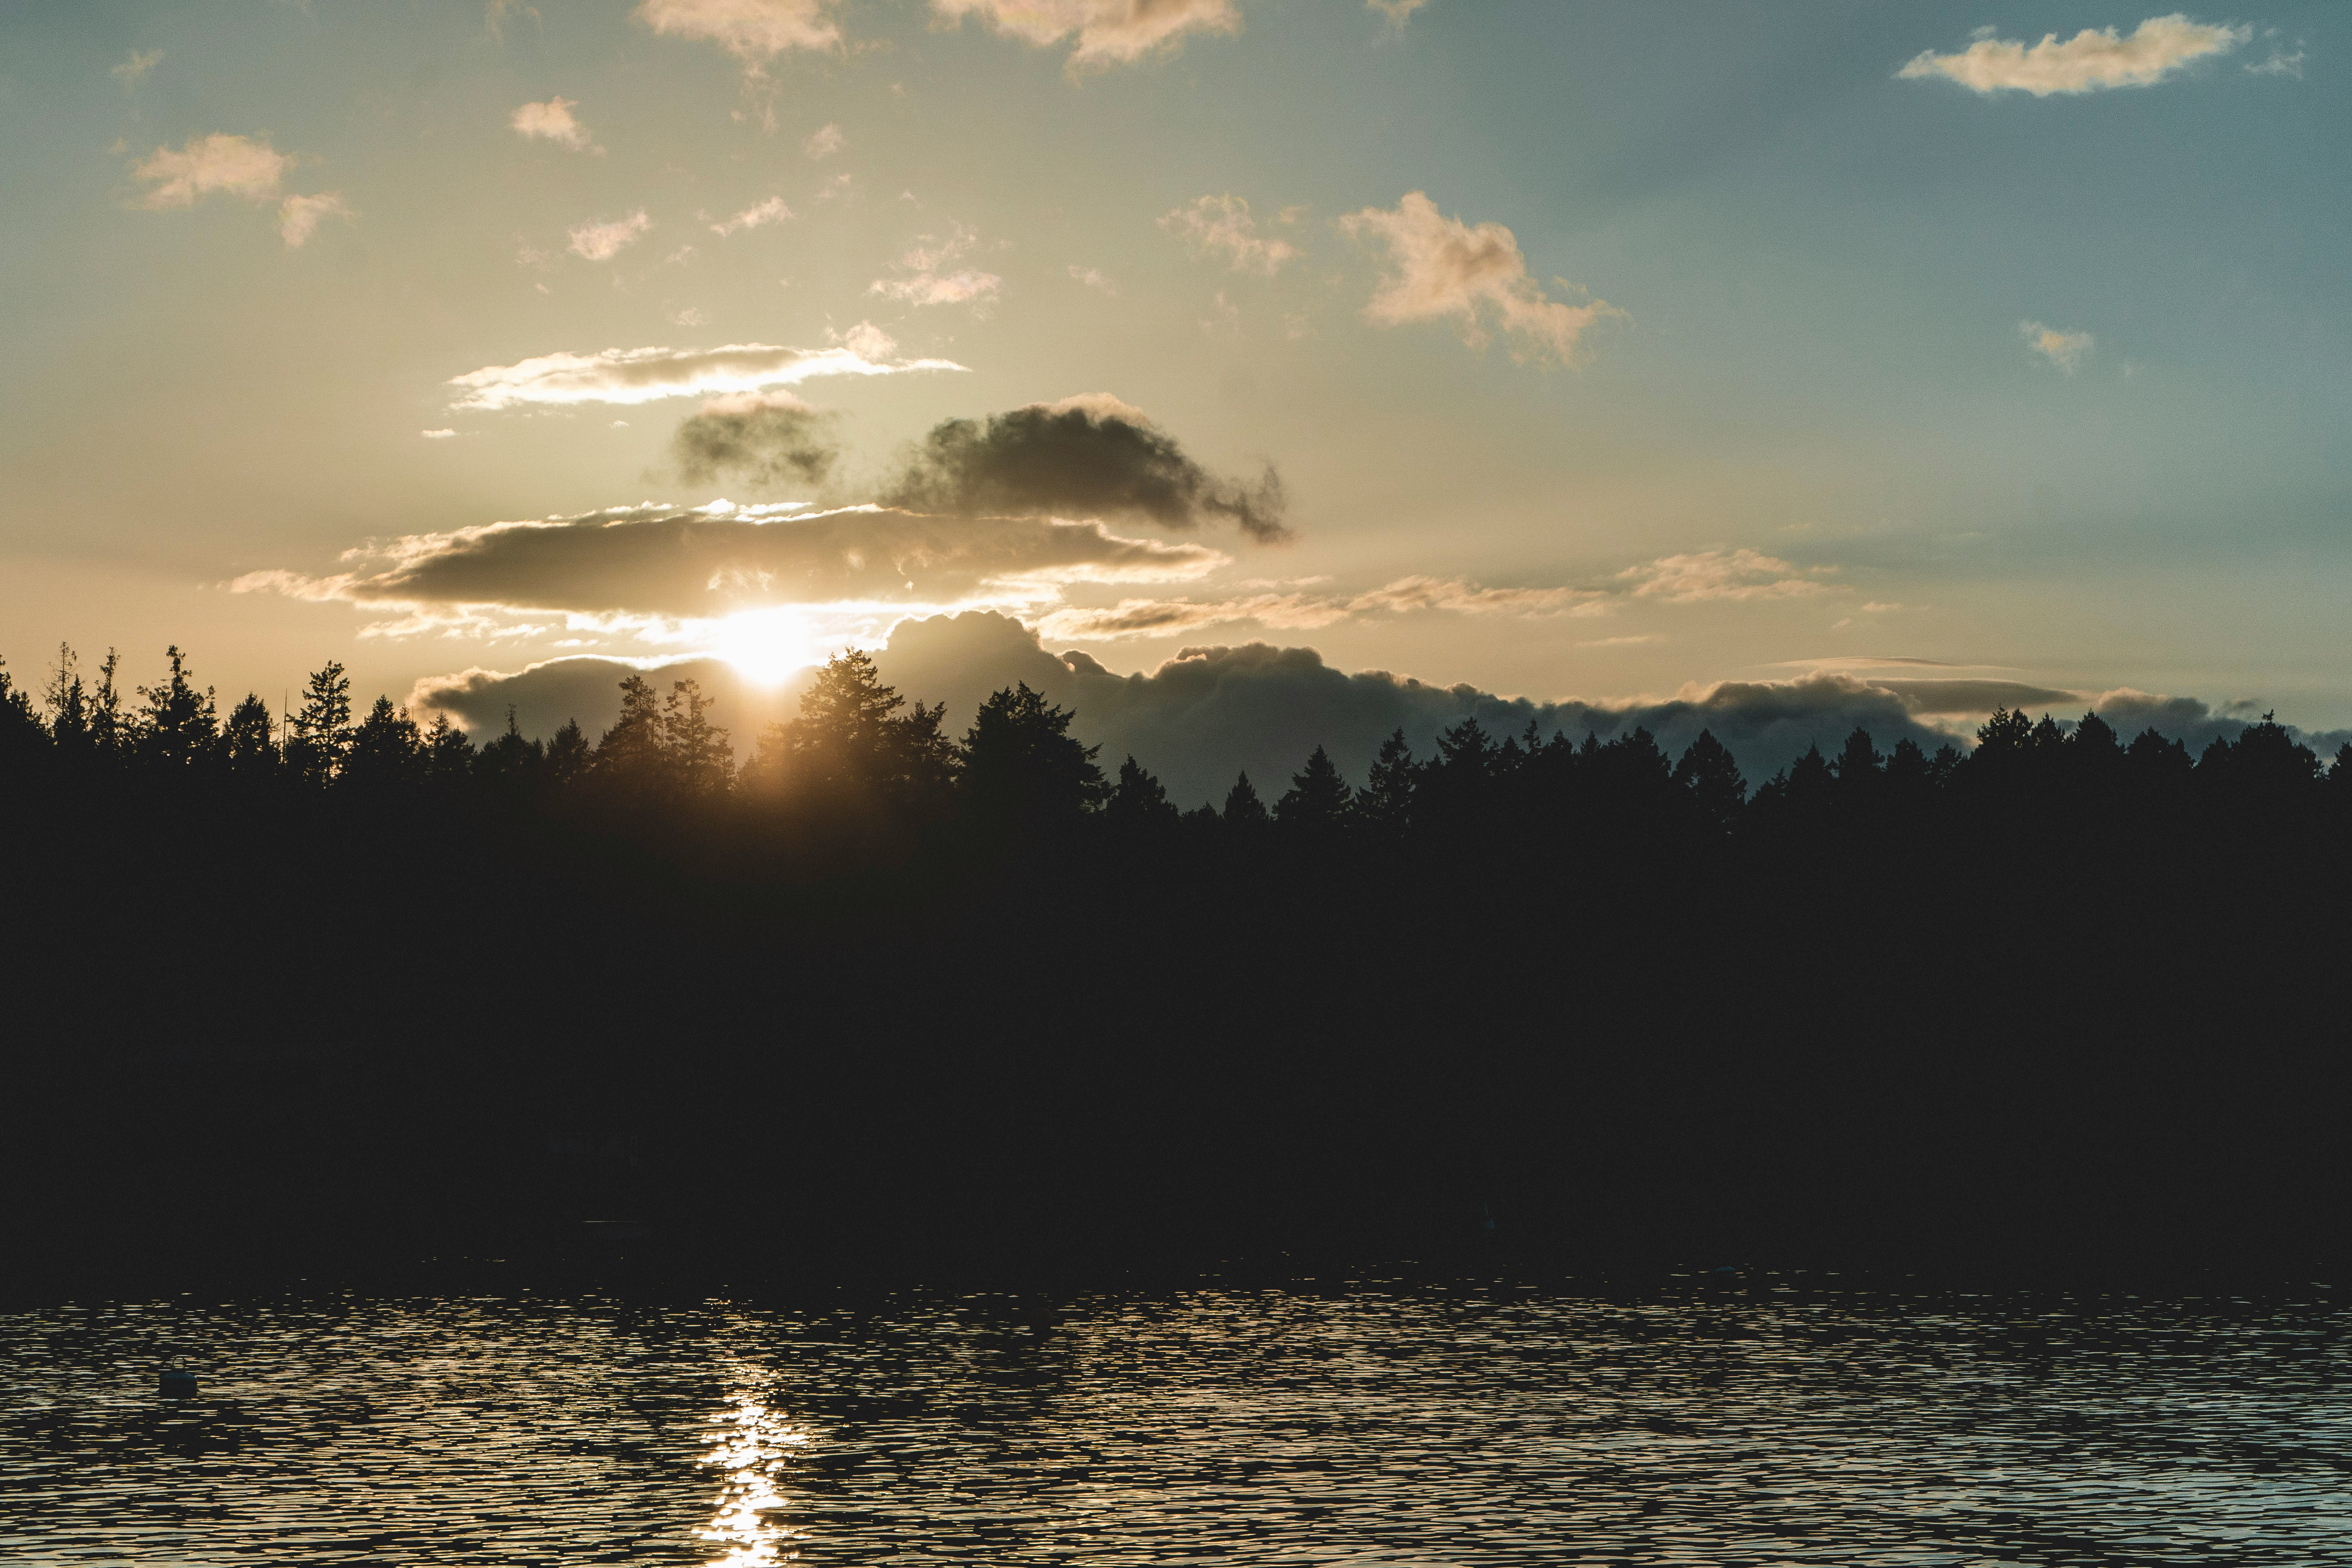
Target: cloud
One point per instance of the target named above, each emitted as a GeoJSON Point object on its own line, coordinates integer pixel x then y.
{"type": "Point", "coordinates": [930, 283]}
{"type": "Point", "coordinates": [494, 16]}
{"type": "Point", "coordinates": [133, 68]}
{"type": "Point", "coordinates": [760, 216]}
{"type": "Point", "coordinates": [298, 216]}
{"type": "Point", "coordinates": [1307, 612]}
{"type": "Point", "coordinates": [553, 121]}
{"type": "Point", "coordinates": [969, 286]}
{"type": "Point", "coordinates": [753, 31]}
{"type": "Point", "coordinates": [1396, 11]}
{"type": "Point", "coordinates": [644, 376]}
{"type": "Point", "coordinates": [438, 435]}
{"type": "Point", "coordinates": [1222, 225]}
{"type": "Point", "coordinates": [545, 695]}
{"type": "Point", "coordinates": [603, 241]}
{"type": "Point", "coordinates": [765, 439]}
{"type": "Point", "coordinates": [1108, 32]}
{"type": "Point", "coordinates": [2280, 63]}
{"type": "Point", "coordinates": [2091, 60]}
{"type": "Point", "coordinates": [1093, 280]}
{"type": "Point", "coordinates": [1439, 267]}
{"type": "Point", "coordinates": [1210, 712]}
{"type": "Point", "coordinates": [231, 166]}
{"type": "Point", "coordinates": [2067, 351]}
{"type": "Point", "coordinates": [703, 562]}
{"type": "Point", "coordinates": [1722, 574]}
{"type": "Point", "coordinates": [869, 341]}
{"type": "Point", "coordinates": [825, 142]}
{"type": "Point", "coordinates": [1090, 456]}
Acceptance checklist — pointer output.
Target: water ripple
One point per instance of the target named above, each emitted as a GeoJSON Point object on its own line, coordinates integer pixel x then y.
{"type": "Point", "coordinates": [1360, 1426]}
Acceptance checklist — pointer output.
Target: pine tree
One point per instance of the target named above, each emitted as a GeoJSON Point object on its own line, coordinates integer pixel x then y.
{"type": "Point", "coordinates": [1023, 769]}
{"type": "Point", "coordinates": [447, 754]}
{"type": "Point", "coordinates": [1711, 778]}
{"type": "Point", "coordinates": [510, 763]}
{"type": "Point", "coordinates": [568, 758]}
{"type": "Point", "coordinates": [247, 739]}
{"type": "Point", "coordinates": [631, 760]}
{"type": "Point", "coordinates": [1318, 800]}
{"type": "Point", "coordinates": [109, 727]}
{"type": "Point", "coordinates": [68, 707]}
{"type": "Point", "coordinates": [177, 729]}
{"type": "Point", "coordinates": [696, 752]}
{"type": "Point", "coordinates": [321, 730]}
{"type": "Point", "coordinates": [1243, 811]}
{"type": "Point", "coordinates": [1138, 803]}
{"type": "Point", "coordinates": [1385, 806]}
{"type": "Point", "coordinates": [387, 750]}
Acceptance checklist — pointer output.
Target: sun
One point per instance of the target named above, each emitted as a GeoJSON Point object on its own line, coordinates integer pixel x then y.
{"type": "Point", "coordinates": [765, 645]}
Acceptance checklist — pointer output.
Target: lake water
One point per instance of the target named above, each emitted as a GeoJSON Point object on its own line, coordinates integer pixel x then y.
{"type": "Point", "coordinates": [1755, 1423]}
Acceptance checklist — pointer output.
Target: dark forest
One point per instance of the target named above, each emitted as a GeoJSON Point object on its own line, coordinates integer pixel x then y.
{"type": "Point", "coordinates": [332, 988]}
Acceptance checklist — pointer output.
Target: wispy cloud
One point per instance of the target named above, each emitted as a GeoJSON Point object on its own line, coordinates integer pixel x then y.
{"type": "Point", "coordinates": [223, 164]}
{"type": "Point", "coordinates": [928, 281]}
{"type": "Point", "coordinates": [2279, 62]}
{"type": "Point", "coordinates": [300, 217]}
{"type": "Point", "coordinates": [1302, 611]}
{"type": "Point", "coordinates": [824, 143]}
{"type": "Point", "coordinates": [753, 31]}
{"type": "Point", "coordinates": [603, 241]}
{"type": "Point", "coordinates": [1396, 11]}
{"type": "Point", "coordinates": [2092, 59]}
{"type": "Point", "coordinates": [554, 122]}
{"type": "Point", "coordinates": [1222, 225]}
{"type": "Point", "coordinates": [2067, 351]}
{"type": "Point", "coordinates": [648, 374]}
{"type": "Point", "coordinates": [1722, 574]}
{"type": "Point", "coordinates": [1093, 280]}
{"type": "Point", "coordinates": [1441, 268]}
{"type": "Point", "coordinates": [133, 68]}
{"type": "Point", "coordinates": [1108, 32]}
{"type": "Point", "coordinates": [758, 215]}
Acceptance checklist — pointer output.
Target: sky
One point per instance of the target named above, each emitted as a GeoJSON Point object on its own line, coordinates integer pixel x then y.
{"type": "Point", "coordinates": [1603, 357]}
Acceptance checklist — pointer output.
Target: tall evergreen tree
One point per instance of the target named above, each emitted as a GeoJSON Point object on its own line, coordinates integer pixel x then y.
{"type": "Point", "coordinates": [387, 751]}
{"type": "Point", "coordinates": [1385, 804]}
{"type": "Point", "coordinates": [631, 760]}
{"type": "Point", "coordinates": [1020, 766]}
{"type": "Point", "coordinates": [1712, 780]}
{"type": "Point", "coordinates": [69, 708]}
{"type": "Point", "coordinates": [698, 755]}
{"type": "Point", "coordinates": [509, 763]}
{"type": "Point", "coordinates": [247, 739]}
{"type": "Point", "coordinates": [321, 732]}
{"type": "Point", "coordinates": [447, 756]}
{"type": "Point", "coordinates": [568, 758]}
{"type": "Point", "coordinates": [1138, 803]}
{"type": "Point", "coordinates": [1244, 810]}
{"type": "Point", "coordinates": [852, 744]}
{"type": "Point", "coordinates": [110, 725]}
{"type": "Point", "coordinates": [177, 727]}
{"type": "Point", "coordinates": [1318, 800]}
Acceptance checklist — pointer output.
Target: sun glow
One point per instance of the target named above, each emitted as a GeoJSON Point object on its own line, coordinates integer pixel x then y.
{"type": "Point", "coordinates": [766, 646]}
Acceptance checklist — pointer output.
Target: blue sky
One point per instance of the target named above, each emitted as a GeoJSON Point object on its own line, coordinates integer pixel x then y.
{"type": "Point", "coordinates": [1788, 356]}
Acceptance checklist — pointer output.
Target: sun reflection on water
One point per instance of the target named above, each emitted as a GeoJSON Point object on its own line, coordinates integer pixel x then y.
{"type": "Point", "coordinates": [750, 1444]}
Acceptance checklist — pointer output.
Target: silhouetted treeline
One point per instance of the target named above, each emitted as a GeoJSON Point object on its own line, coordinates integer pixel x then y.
{"type": "Point", "coordinates": [332, 984]}
{"type": "Point", "coordinates": [864, 771]}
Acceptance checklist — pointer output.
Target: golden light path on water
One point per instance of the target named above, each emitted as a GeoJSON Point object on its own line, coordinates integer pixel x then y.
{"type": "Point", "coordinates": [750, 1443]}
